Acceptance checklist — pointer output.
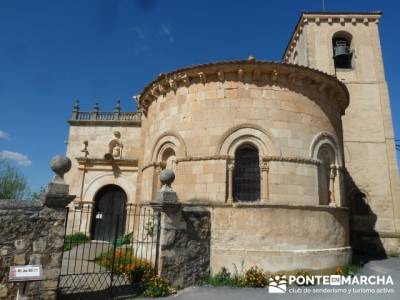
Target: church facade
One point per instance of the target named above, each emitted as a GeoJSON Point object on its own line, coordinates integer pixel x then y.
{"type": "Point", "coordinates": [295, 161]}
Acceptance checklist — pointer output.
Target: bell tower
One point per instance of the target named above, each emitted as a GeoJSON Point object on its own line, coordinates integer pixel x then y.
{"type": "Point", "coordinates": [347, 45]}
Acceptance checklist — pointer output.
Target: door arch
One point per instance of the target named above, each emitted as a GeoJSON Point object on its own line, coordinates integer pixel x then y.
{"type": "Point", "coordinates": [109, 213]}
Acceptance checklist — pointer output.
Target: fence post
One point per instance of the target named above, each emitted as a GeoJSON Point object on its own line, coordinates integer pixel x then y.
{"type": "Point", "coordinates": [167, 204]}
{"type": "Point", "coordinates": [55, 199]}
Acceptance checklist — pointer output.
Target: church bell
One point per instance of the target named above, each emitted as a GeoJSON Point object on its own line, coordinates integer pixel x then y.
{"type": "Point", "coordinates": [341, 49]}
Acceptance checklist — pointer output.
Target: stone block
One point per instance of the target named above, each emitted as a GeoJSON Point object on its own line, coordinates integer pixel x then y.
{"type": "Point", "coordinates": [35, 259]}
{"type": "Point", "coordinates": [39, 245]}
{"type": "Point", "coordinates": [20, 259]}
{"type": "Point", "coordinates": [20, 245]}
{"type": "Point", "coordinates": [3, 291]}
{"type": "Point", "coordinates": [4, 251]}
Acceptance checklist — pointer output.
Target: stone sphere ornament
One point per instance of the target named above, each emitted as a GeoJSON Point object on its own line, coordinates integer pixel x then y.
{"type": "Point", "coordinates": [167, 177]}
{"type": "Point", "coordinates": [60, 165]}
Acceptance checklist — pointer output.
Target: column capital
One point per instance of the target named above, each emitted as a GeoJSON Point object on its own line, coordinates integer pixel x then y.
{"type": "Point", "coordinates": [264, 166]}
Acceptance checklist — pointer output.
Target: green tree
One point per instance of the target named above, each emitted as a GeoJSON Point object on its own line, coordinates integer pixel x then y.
{"type": "Point", "coordinates": [13, 184]}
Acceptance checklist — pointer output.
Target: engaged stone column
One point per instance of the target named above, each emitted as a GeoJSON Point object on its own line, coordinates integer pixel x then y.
{"type": "Point", "coordinates": [231, 166]}
{"type": "Point", "coordinates": [264, 170]}
{"type": "Point", "coordinates": [332, 176]}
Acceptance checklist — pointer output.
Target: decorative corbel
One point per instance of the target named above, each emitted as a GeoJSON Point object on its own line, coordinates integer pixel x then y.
{"type": "Point", "coordinates": [202, 77]}
{"type": "Point", "coordinates": [256, 74]}
{"type": "Point", "coordinates": [186, 80]}
{"type": "Point", "coordinates": [240, 73]}
{"type": "Point", "coordinates": [161, 88]}
{"type": "Point", "coordinates": [274, 75]}
{"type": "Point", "coordinates": [221, 75]}
{"type": "Point", "coordinates": [292, 78]}
{"type": "Point", "coordinates": [172, 84]}
{"type": "Point", "coordinates": [155, 91]}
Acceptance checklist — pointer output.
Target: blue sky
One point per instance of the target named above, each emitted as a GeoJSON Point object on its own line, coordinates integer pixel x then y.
{"type": "Point", "coordinates": [53, 52]}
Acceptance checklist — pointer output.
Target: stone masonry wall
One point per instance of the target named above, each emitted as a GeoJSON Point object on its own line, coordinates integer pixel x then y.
{"type": "Point", "coordinates": [185, 246]}
{"type": "Point", "coordinates": [31, 233]}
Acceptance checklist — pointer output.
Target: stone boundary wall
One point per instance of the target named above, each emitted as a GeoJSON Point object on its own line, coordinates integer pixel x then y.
{"type": "Point", "coordinates": [31, 233]}
{"type": "Point", "coordinates": [185, 245]}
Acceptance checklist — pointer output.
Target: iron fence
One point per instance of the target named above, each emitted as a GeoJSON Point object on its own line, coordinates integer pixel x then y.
{"type": "Point", "coordinates": [108, 254]}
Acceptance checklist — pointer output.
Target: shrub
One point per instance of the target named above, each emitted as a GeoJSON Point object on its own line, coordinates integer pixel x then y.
{"type": "Point", "coordinates": [125, 239]}
{"type": "Point", "coordinates": [347, 270]}
{"type": "Point", "coordinates": [137, 270]}
{"type": "Point", "coordinates": [254, 277]}
{"type": "Point", "coordinates": [339, 271]}
{"type": "Point", "coordinates": [158, 287]}
{"type": "Point", "coordinates": [75, 239]}
{"type": "Point", "coordinates": [304, 274]}
{"type": "Point", "coordinates": [224, 278]}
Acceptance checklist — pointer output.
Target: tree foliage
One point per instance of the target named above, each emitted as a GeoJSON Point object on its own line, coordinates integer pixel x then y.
{"type": "Point", "coordinates": [13, 184]}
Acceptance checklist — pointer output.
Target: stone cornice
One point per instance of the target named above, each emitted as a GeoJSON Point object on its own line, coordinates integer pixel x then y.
{"type": "Point", "coordinates": [261, 73]}
{"type": "Point", "coordinates": [199, 158]}
{"type": "Point", "coordinates": [330, 18]}
{"type": "Point", "coordinates": [292, 159]}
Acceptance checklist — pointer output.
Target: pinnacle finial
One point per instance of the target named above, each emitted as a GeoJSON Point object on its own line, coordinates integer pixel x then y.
{"type": "Point", "coordinates": [96, 107]}
{"type": "Point", "coordinates": [118, 106]}
{"type": "Point", "coordinates": [76, 106]}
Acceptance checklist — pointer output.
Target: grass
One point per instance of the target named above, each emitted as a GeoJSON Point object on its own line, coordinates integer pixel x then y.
{"type": "Point", "coordinates": [223, 278]}
{"type": "Point", "coordinates": [393, 254]}
{"type": "Point", "coordinates": [75, 239]}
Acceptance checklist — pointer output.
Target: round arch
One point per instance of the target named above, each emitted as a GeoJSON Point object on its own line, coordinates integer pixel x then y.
{"type": "Point", "coordinates": [98, 182]}
{"type": "Point", "coordinates": [169, 139]}
{"type": "Point", "coordinates": [251, 134]}
{"type": "Point", "coordinates": [326, 138]}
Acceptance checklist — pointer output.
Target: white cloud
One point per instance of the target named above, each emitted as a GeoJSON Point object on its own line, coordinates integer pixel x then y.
{"type": "Point", "coordinates": [166, 31]}
{"type": "Point", "coordinates": [3, 135]}
{"type": "Point", "coordinates": [19, 158]}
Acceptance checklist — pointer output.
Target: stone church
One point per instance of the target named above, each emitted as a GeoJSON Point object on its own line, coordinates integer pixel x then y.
{"type": "Point", "coordinates": [294, 160]}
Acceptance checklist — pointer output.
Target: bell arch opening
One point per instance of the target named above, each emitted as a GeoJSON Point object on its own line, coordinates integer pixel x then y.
{"type": "Point", "coordinates": [342, 52]}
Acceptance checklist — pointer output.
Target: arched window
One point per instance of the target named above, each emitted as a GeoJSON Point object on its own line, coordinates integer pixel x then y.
{"type": "Point", "coordinates": [342, 53]}
{"type": "Point", "coordinates": [326, 154]}
{"type": "Point", "coordinates": [246, 176]}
